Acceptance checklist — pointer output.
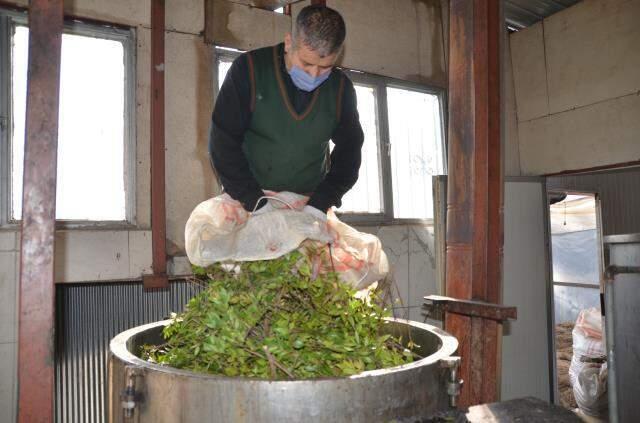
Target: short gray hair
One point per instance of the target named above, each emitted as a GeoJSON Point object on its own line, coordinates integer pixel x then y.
{"type": "Point", "coordinates": [320, 28]}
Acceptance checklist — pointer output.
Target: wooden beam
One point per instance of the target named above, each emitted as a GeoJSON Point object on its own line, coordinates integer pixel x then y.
{"type": "Point", "coordinates": [37, 289]}
{"type": "Point", "coordinates": [158, 208]}
{"type": "Point", "coordinates": [475, 190]}
{"type": "Point", "coordinates": [265, 4]}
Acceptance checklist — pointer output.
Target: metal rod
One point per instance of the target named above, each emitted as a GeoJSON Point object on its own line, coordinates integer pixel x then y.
{"type": "Point", "coordinates": [577, 285]}
{"type": "Point", "coordinates": [37, 293]}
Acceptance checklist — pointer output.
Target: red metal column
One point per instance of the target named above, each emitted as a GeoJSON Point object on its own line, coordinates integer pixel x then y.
{"type": "Point", "coordinates": [37, 293]}
{"type": "Point", "coordinates": [475, 194]}
{"type": "Point", "coordinates": [318, 2]}
{"type": "Point", "coordinates": [158, 209]}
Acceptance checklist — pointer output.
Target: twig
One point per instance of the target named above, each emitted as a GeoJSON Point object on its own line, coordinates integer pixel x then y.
{"type": "Point", "coordinates": [272, 364]}
{"type": "Point", "coordinates": [275, 362]}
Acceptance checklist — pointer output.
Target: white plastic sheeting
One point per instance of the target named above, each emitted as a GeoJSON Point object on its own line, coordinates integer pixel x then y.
{"type": "Point", "coordinates": [574, 241]}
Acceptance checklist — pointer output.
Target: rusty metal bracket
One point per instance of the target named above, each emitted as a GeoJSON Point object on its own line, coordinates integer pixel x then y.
{"type": "Point", "coordinates": [131, 396]}
{"type": "Point", "coordinates": [436, 305]}
{"type": "Point", "coordinates": [453, 383]}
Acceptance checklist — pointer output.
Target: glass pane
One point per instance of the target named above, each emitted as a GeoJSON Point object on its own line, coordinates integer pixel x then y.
{"type": "Point", "coordinates": [570, 300]}
{"type": "Point", "coordinates": [90, 184]}
{"type": "Point", "coordinates": [574, 240]}
{"type": "Point", "coordinates": [416, 150]}
{"type": "Point", "coordinates": [365, 196]}
{"type": "Point", "coordinates": [223, 67]}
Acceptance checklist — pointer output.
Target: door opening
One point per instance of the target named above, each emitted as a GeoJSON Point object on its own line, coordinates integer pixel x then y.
{"type": "Point", "coordinates": [576, 256]}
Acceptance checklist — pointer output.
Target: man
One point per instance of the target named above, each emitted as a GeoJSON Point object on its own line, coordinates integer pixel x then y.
{"type": "Point", "coordinates": [276, 112]}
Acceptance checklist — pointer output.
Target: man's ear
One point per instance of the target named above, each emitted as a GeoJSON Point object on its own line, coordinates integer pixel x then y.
{"type": "Point", "coordinates": [288, 42]}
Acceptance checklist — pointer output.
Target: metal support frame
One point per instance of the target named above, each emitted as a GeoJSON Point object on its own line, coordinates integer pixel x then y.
{"type": "Point", "coordinates": [157, 280]}
{"type": "Point", "coordinates": [37, 293]}
{"type": "Point", "coordinates": [475, 193]}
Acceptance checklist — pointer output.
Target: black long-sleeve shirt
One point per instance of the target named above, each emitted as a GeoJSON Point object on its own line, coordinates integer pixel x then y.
{"type": "Point", "coordinates": [232, 117]}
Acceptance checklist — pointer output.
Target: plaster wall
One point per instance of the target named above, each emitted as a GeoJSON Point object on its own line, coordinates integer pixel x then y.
{"type": "Point", "coordinates": [125, 254]}
{"type": "Point", "coordinates": [244, 27]}
{"type": "Point", "coordinates": [415, 53]}
{"type": "Point", "coordinates": [509, 113]}
{"type": "Point", "coordinates": [576, 87]}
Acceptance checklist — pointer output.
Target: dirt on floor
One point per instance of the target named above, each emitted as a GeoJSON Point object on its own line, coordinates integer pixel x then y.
{"type": "Point", "coordinates": [564, 351]}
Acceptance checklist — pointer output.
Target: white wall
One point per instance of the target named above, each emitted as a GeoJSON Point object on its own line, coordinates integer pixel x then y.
{"type": "Point", "coordinates": [411, 253]}
{"type": "Point", "coordinates": [525, 342]}
{"type": "Point", "coordinates": [577, 80]}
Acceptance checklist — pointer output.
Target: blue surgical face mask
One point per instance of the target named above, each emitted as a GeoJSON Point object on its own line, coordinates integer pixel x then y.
{"type": "Point", "coordinates": [306, 82]}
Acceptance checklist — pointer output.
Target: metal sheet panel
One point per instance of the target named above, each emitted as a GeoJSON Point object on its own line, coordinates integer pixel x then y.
{"type": "Point", "coordinates": [523, 13]}
{"type": "Point", "coordinates": [87, 317]}
{"type": "Point", "coordinates": [623, 316]}
{"type": "Point", "coordinates": [620, 206]}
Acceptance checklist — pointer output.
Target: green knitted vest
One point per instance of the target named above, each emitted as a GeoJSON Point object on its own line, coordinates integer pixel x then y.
{"type": "Point", "coordinates": [287, 151]}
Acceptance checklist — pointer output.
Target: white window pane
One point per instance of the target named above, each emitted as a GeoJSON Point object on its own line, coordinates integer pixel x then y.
{"type": "Point", "coordinates": [416, 151]}
{"type": "Point", "coordinates": [365, 196]}
{"type": "Point", "coordinates": [223, 69]}
{"type": "Point", "coordinates": [90, 184]}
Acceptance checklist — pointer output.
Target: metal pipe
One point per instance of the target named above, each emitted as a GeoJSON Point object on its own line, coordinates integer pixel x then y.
{"type": "Point", "coordinates": [37, 293]}
{"type": "Point", "coordinates": [612, 393]}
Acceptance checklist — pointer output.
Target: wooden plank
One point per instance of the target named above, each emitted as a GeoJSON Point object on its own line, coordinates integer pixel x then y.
{"type": "Point", "coordinates": [37, 290]}
{"type": "Point", "coordinates": [265, 4]}
{"type": "Point", "coordinates": [472, 308]}
{"type": "Point", "coordinates": [521, 410]}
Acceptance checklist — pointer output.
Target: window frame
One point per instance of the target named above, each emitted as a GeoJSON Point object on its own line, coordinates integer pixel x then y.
{"type": "Point", "coordinates": [379, 84]}
{"type": "Point", "coordinates": [9, 18]}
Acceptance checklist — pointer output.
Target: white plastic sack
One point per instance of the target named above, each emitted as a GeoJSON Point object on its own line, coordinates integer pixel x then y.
{"type": "Point", "coordinates": [590, 390]}
{"type": "Point", "coordinates": [220, 230]}
{"type": "Point", "coordinates": [588, 376]}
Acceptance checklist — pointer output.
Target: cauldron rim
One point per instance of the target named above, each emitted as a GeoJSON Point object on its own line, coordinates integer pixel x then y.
{"type": "Point", "coordinates": [118, 348]}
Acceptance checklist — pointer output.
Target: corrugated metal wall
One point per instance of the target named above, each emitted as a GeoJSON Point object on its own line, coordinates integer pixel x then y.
{"type": "Point", "coordinates": [87, 317]}
{"type": "Point", "coordinates": [619, 196]}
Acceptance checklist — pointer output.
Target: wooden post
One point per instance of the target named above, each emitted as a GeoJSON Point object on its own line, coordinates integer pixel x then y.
{"type": "Point", "coordinates": [37, 290]}
{"type": "Point", "coordinates": [475, 191]}
{"type": "Point", "coordinates": [157, 280]}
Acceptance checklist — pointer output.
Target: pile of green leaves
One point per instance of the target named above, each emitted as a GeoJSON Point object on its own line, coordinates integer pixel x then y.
{"type": "Point", "coordinates": [275, 320]}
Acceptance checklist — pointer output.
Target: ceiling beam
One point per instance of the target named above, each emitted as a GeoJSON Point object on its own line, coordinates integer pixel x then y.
{"type": "Point", "coordinates": [265, 4]}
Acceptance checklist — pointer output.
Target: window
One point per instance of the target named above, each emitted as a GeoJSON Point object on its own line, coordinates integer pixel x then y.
{"type": "Point", "coordinates": [95, 132]}
{"type": "Point", "coordinates": [403, 148]}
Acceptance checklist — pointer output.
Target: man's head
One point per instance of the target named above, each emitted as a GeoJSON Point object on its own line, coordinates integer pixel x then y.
{"type": "Point", "coordinates": [317, 40]}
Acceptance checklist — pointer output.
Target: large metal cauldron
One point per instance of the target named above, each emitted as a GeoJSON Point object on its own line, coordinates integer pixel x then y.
{"type": "Point", "coordinates": [149, 393]}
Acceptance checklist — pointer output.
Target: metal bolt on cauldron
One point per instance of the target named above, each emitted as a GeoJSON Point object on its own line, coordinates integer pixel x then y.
{"type": "Point", "coordinates": [144, 392]}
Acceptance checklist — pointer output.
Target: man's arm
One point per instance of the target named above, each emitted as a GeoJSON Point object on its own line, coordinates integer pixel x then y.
{"type": "Point", "coordinates": [231, 118]}
{"type": "Point", "coordinates": [346, 156]}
